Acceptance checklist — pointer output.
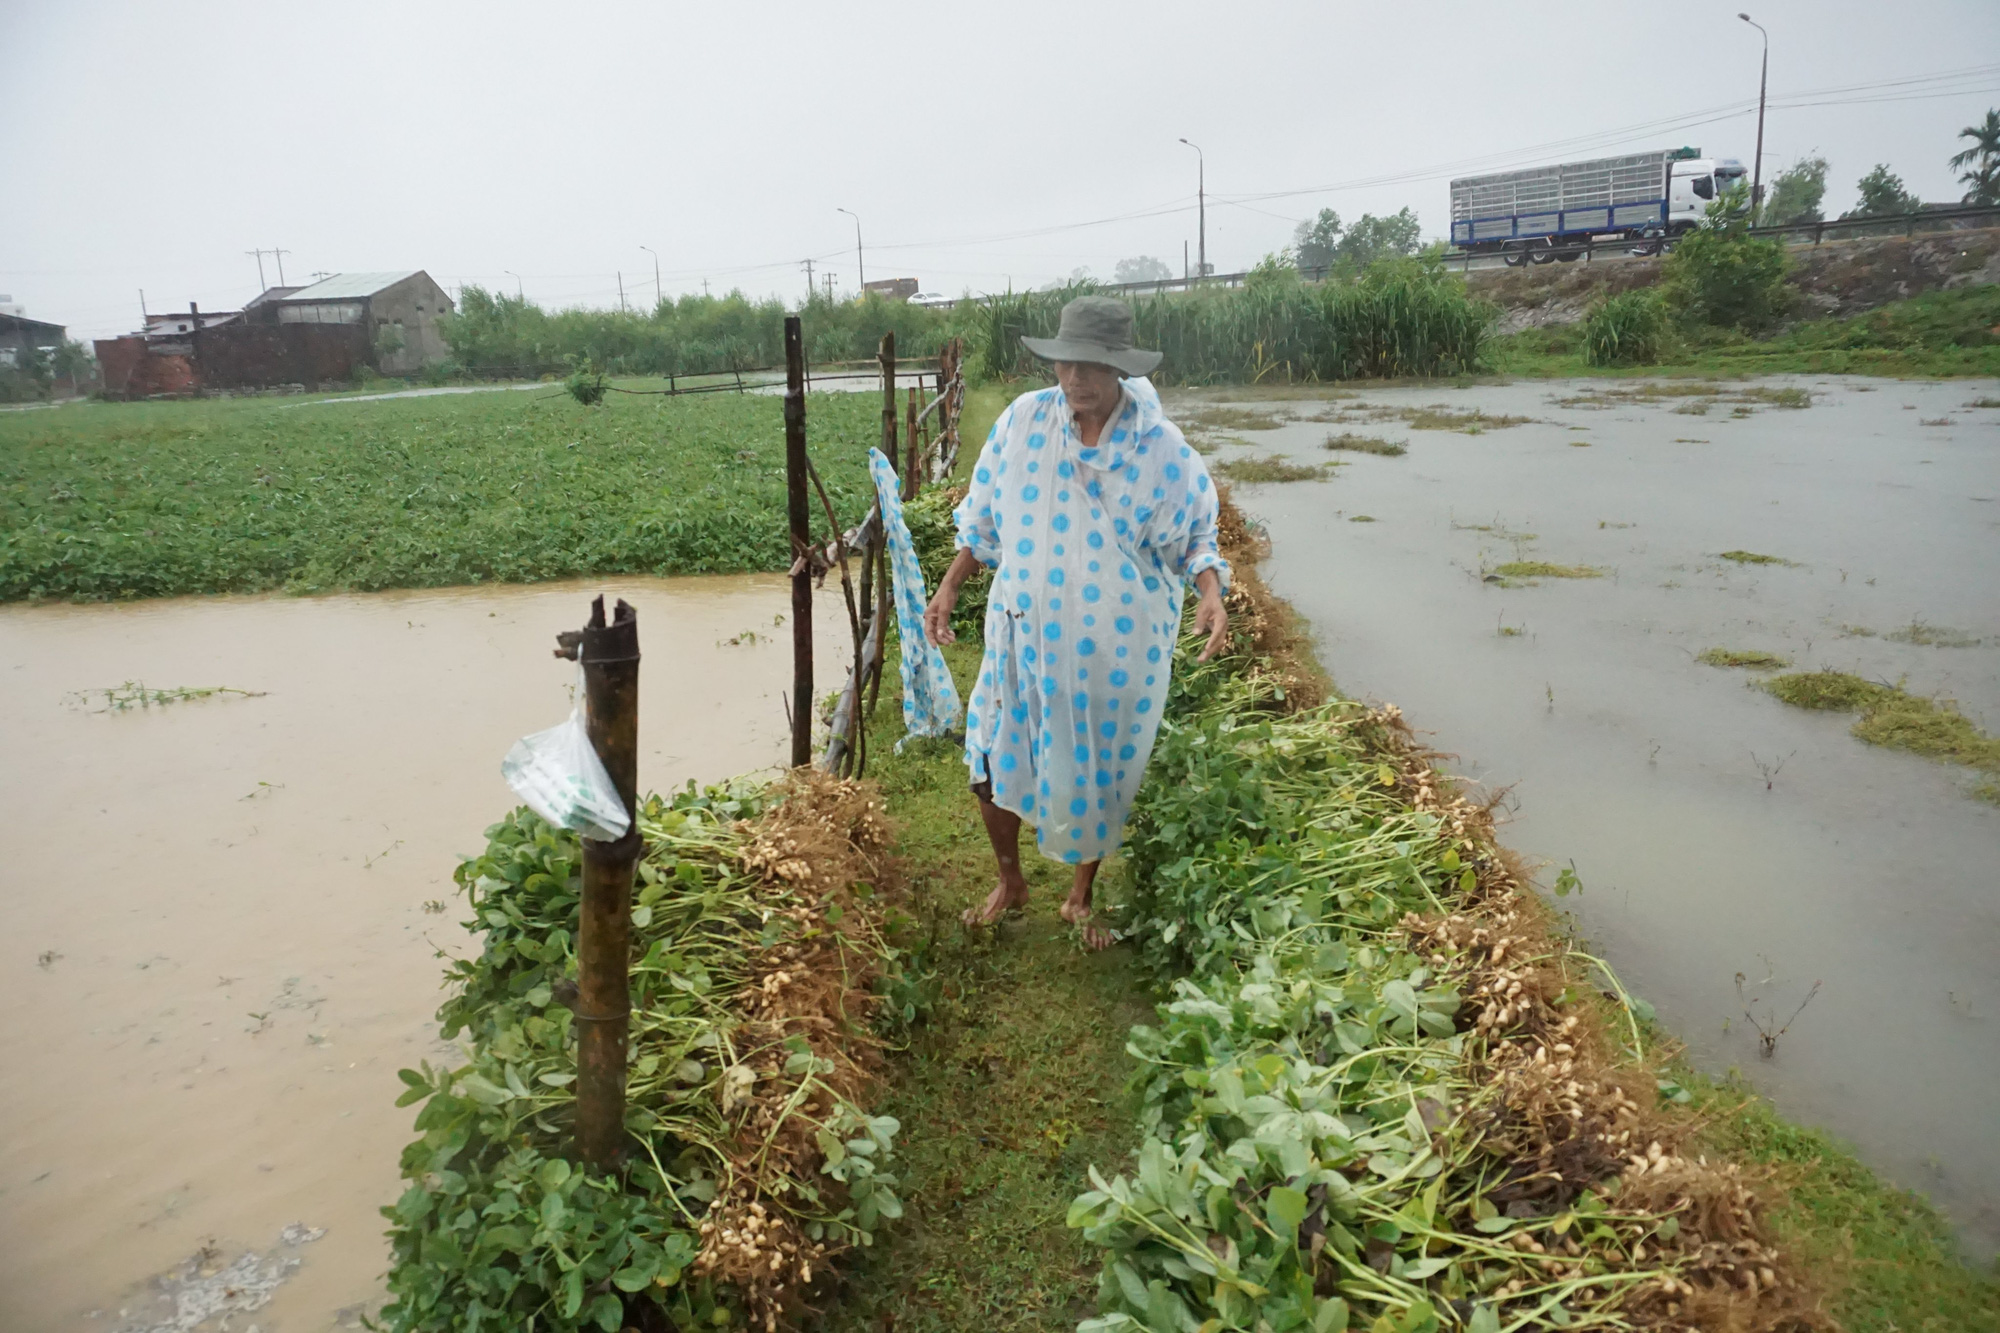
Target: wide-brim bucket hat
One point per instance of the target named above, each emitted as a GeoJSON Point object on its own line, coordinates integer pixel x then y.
{"type": "Point", "coordinates": [1098, 330]}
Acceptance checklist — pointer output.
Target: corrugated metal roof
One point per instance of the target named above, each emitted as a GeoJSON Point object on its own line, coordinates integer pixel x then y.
{"type": "Point", "coordinates": [350, 286]}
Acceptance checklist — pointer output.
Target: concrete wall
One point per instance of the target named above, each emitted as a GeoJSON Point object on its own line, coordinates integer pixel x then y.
{"type": "Point", "coordinates": [410, 308]}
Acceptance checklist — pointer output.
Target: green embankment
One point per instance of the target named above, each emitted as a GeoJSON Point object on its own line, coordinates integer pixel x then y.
{"type": "Point", "coordinates": [1007, 1093]}
{"type": "Point", "coordinates": [1934, 335]}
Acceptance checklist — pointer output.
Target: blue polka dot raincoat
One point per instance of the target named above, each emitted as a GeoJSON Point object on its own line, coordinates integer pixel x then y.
{"type": "Point", "coordinates": [1092, 548]}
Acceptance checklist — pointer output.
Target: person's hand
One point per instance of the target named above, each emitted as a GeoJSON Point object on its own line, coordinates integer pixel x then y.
{"type": "Point", "coordinates": [937, 616]}
{"type": "Point", "coordinates": [1210, 616]}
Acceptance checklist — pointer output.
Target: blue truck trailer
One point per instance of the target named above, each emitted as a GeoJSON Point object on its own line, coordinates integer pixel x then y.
{"type": "Point", "coordinates": [1542, 214]}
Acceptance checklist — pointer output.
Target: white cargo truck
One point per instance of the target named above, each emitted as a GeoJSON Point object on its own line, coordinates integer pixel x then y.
{"type": "Point", "coordinates": [1546, 213]}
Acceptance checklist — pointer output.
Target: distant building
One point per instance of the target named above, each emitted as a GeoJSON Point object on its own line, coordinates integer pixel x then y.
{"type": "Point", "coordinates": [399, 311]}
{"type": "Point", "coordinates": [19, 333]}
{"type": "Point", "coordinates": [896, 289]}
{"type": "Point", "coordinates": [304, 336]}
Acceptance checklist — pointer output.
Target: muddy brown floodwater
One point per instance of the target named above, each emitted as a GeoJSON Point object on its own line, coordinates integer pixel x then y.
{"type": "Point", "coordinates": [1716, 831]}
{"type": "Point", "coordinates": [222, 915]}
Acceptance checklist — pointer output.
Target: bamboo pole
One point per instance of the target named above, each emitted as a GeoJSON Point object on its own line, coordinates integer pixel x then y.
{"type": "Point", "coordinates": [609, 655]}
{"type": "Point", "coordinates": [799, 514]}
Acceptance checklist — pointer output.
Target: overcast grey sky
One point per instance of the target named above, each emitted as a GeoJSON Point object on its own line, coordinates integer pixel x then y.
{"type": "Point", "coordinates": [152, 145]}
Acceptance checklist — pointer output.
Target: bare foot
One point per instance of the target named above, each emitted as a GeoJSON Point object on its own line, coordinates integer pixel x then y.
{"type": "Point", "coordinates": [1078, 914]}
{"type": "Point", "coordinates": [1005, 898]}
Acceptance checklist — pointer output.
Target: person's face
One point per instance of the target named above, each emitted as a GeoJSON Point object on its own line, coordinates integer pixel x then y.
{"type": "Point", "coordinates": [1092, 389]}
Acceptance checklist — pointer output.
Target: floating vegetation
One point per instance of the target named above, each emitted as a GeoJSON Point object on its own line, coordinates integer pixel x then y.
{"type": "Point", "coordinates": [1755, 659]}
{"type": "Point", "coordinates": [1893, 717]}
{"type": "Point", "coordinates": [1231, 418]}
{"type": "Point", "coordinates": [1698, 408]}
{"type": "Point", "coordinates": [1856, 632]}
{"type": "Point", "coordinates": [1933, 636]}
{"type": "Point", "coordinates": [1756, 558]}
{"type": "Point", "coordinates": [1363, 518]}
{"type": "Point", "coordinates": [1644, 391]}
{"type": "Point", "coordinates": [1255, 470]}
{"type": "Point", "coordinates": [1441, 417]}
{"type": "Point", "coordinates": [1832, 691]}
{"type": "Point", "coordinates": [1682, 439]}
{"type": "Point", "coordinates": [1984, 402]}
{"type": "Point", "coordinates": [136, 694]}
{"type": "Point", "coordinates": [1607, 523]}
{"type": "Point", "coordinates": [1934, 421]}
{"type": "Point", "coordinates": [1579, 444]}
{"type": "Point", "coordinates": [1365, 444]}
{"type": "Point", "coordinates": [1542, 569]}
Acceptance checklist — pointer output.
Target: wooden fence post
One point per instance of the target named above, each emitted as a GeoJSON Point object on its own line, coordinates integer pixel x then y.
{"type": "Point", "coordinates": [800, 517]}
{"type": "Point", "coordinates": [609, 655]}
{"type": "Point", "coordinates": [911, 447]}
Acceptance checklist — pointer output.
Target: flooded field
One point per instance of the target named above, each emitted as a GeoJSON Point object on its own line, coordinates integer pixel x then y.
{"type": "Point", "coordinates": [1716, 832]}
{"type": "Point", "coordinates": [223, 913]}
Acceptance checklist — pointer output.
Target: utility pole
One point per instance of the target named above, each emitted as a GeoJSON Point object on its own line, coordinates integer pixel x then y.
{"type": "Point", "coordinates": [704, 287]}
{"type": "Point", "coordinates": [658, 300]}
{"type": "Point", "coordinates": [828, 278]}
{"type": "Point", "coordinates": [1184, 263]}
{"type": "Point", "coordinates": [520, 292]}
{"type": "Point", "coordinates": [143, 316]}
{"type": "Point", "coordinates": [858, 264]}
{"type": "Point", "coordinates": [1757, 167]}
{"type": "Point", "coordinates": [621, 292]}
{"type": "Point", "coordinates": [1201, 199]}
{"type": "Point", "coordinates": [261, 285]}
{"type": "Point", "coordinates": [281, 263]}
{"type": "Point", "coordinates": [809, 280]}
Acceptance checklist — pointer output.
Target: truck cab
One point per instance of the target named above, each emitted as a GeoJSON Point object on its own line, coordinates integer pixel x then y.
{"type": "Point", "coordinates": [1697, 183]}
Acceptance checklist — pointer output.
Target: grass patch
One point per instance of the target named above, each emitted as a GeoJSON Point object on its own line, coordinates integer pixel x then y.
{"type": "Point", "coordinates": [1893, 717]}
{"type": "Point", "coordinates": [1009, 1090]}
{"type": "Point", "coordinates": [1230, 418]}
{"type": "Point", "coordinates": [1468, 423]}
{"type": "Point", "coordinates": [1256, 470]}
{"type": "Point", "coordinates": [1543, 569]}
{"type": "Point", "coordinates": [116, 500]}
{"type": "Point", "coordinates": [1365, 444]}
{"type": "Point", "coordinates": [1897, 1258]}
{"type": "Point", "coordinates": [1933, 636]}
{"type": "Point", "coordinates": [1754, 658]}
{"type": "Point", "coordinates": [1755, 558]}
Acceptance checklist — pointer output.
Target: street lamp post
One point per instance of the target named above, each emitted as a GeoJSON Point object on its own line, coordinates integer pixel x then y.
{"type": "Point", "coordinates": [1201, 198]}
{"type": "Point", "coordinates": [1757, 167]}
{"type": "Point", "coordinates": [858, 265]}
{"type": "Point", "coordinates": [520, 292]}
{"type": "Point", "coordinates": [657, 298]}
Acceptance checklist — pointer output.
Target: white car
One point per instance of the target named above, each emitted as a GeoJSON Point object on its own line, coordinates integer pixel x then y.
{"type": "Point", "coordinates": [936, 300]}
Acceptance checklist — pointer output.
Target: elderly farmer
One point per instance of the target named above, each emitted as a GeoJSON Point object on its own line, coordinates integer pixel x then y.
{"type": "Point", "coordinates": [1094, 512]}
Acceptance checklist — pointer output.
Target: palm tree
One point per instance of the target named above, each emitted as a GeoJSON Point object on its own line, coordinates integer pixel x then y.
{"type": "Point", "coordinates": [1981, 161]}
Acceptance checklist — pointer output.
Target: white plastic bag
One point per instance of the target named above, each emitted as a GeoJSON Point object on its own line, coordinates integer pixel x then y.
{"type": "Point", "coordinates": [557, 772]}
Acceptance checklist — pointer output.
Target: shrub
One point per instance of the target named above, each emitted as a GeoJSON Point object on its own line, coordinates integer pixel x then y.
{"type": "Point", "coordinates": [1721, 275]}
{"type": "Point", "coordinates": [1626, 330]}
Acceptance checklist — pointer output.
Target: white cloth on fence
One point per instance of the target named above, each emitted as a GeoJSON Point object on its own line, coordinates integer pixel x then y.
{"type": "Point", "coordinates": [1092, 547]}
{"type": "Point", "coordinates": [930, 699]}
